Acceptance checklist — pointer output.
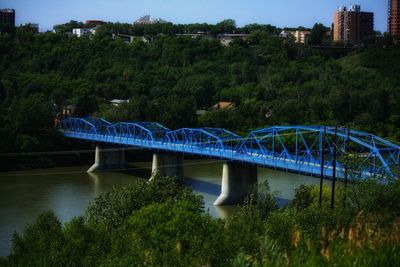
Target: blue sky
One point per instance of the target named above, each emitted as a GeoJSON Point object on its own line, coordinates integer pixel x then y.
{"type": "Point", "coordinates": [282, 13]}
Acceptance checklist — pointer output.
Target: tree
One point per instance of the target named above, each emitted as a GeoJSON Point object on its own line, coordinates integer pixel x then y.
{"type": "Point", "coordinates": [317, 34]}
{"type": "Point", "coordinates": [174, 112]}
{"type": "Point", "coordinates": [33, 114]}
{"type": "Point", "coordinates": [41, 244]}
{"type": "Point", "coordinates": [225, 26]}
{"type": "Point", "coordinates": [67, 27]}
{"type": "Point", "coordinates": [113, 208]}
{"type": "Point", "coordinates": [176, 233]}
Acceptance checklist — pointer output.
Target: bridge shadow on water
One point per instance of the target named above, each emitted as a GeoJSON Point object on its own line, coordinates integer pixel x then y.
{"type": "Point", "coordinates": [196, 185]}
{"type": "Point", "coordinates": [137, 171]}
{"type": "Point", "coordinates": [200, 186]}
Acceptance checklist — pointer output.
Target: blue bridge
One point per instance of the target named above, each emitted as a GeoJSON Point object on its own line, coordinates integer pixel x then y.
{"type": "Point", "coordinates": [310, 150]}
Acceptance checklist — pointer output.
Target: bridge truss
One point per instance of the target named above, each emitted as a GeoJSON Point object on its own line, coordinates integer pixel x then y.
{"type": "Point", "coordinates": [304, 149]}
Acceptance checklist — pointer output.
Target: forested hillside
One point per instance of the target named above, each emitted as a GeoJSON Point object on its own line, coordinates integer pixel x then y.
{"type": "Point", "coordinates": [270, 81]}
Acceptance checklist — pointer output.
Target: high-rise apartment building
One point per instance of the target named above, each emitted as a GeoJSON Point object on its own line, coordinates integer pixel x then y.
{"type": "Point", "coordinates": [351, 26]}
{"type": "Point", "coordinates": [394, 17]}
{"type": "Point", "coordinates": [7, 16]}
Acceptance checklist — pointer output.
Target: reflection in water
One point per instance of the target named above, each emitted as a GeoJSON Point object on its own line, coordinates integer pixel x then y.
{"type": "Point", "coordinates": [96, 182]}
{"type": "Point", "coordinates": [68, 191]}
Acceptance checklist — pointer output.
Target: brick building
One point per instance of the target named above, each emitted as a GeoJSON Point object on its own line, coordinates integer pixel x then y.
{"type": "Point", "coordinates": [393, 17]}
{"type": "Point", "coordinates": [352, 26]}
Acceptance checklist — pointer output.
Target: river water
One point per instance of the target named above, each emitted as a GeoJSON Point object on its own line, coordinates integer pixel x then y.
{"type": "Point", "coordinates": [68, 190]}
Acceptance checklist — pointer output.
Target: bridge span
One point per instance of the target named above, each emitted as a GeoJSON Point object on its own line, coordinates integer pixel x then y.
{"type": "Point", "coordinates": [309, 150]}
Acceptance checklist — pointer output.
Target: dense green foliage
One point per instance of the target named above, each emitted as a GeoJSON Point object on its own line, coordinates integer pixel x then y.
{"type": "Point", "coordinates": [269, 80]}
{"type": "Point", "coordinates": [318, 34]}
{"type": "Point", "coordinates": [160, 223]}
{"type": "Point", "coordinates": [167, 28]}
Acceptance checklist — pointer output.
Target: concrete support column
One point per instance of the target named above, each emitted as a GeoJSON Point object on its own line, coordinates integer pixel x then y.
{"type": "Point", "coordinates": [106, 159]}
{"type": "Point", "coordinates": [167, 165]}
{"type": "Point", "coordinates": [237, 180]}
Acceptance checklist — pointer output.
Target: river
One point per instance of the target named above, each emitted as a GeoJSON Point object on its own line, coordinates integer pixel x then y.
{"type": "Point", "coordinates": [68, 190]}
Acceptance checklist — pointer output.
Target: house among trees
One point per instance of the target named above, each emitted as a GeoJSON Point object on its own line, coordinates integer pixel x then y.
{"type": "Point", "coordinates": [117, 102]}
{"type": "Point", "coordinates": [69, 111]}
{"type": "Point", "coordinates": [223, 105]}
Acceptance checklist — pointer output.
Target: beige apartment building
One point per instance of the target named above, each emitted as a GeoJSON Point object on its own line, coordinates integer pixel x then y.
{"type": "Point", "coordinates": [301, 36]}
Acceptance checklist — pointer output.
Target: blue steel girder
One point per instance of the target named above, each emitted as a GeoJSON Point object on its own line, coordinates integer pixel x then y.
{"type": "Point", "coordinates": [77, 125]}
{"type": "Point", "coordinates": [131, 130]}
{"type": "Point", "coordinates": [282, 142]}
{"type": "Point", "coordinates": [229, 139]}
{"type": "Point", "coordinates": [369, 151]}
{"type": "Point", "coordinates": [159, 132]}
{"type": "Point", "coordinates": [195, 137]}
{"type": "Point", "coordinates": [306, 147]}
{"type": "Point", "coordinates": [389, 151]}
{"type": "Point", "coordinates": [102, 126]}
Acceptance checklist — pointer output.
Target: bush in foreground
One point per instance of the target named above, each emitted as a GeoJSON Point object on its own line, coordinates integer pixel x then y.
{"type": "Point", "coordinates": [160, 223]}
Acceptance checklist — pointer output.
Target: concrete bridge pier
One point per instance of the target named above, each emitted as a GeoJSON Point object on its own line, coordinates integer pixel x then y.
{"type": "Point", "coordinates": [167, 165]}
{"type": "Point", "coordinates": [237, 182]}
{"type": "Point", "coordinates": [108, 158]}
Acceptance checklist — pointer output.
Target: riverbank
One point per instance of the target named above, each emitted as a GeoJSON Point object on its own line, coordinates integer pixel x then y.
{"type": "Point", "coordinates": [58, 159]}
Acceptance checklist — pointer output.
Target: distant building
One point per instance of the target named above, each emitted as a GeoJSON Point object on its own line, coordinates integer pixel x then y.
{"type": "Point", "coordinates": [117, 102]}
{"type": "Point", "coordinates": [33, 26]}
{"type": "Point", "coordinates": [201, 112]}
{"type": "Point", "coordinates": [204, 35]}
{"type": "Point", "coordinates": [7, 16]}
{"type": "Point", "coordinates": [95, 29]}
{"type": "Point", "coordinates": [95, 22]}
{"type": "Point", "coordinates": [394, 17]}
{"type": "Point", "coordinates": [286, 34]}
{"type": "Point", "coordinates": [301, 36]}
{"type": "Point", "coordinates": [353, 25]}
{"type": "Point", "coordinates": [124, 37]}
{"type": "Point", "coordinates": [81, 32]}
{"type": "Point", "coordinates": [159, 20]}
{"type": "Point", "coordinates": [130, 38]}
{"type": "Point", "coordinates": [223, 105]}
{"type": "Point", "coordinates": [298, 36]}
{"type": "Point", "coordinates": [226, 39]}
{"type": "Point", "coordinates": [143, 20]}
{"type": "Point", "coordinates": [69, 111]}
{"type": "Point", "coordinates": [147, 20]}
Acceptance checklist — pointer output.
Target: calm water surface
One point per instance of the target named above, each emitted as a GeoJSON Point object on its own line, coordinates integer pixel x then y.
{"type": "Point", "coordinates": [68, 191]}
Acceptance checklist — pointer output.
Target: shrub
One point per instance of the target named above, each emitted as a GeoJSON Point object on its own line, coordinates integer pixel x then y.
{"type": "Point", "coordinates": [175, 233]}
{"type": "Point", "coordinates": [115, 207]}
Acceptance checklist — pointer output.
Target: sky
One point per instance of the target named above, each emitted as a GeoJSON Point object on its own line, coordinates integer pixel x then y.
{"type": "Point", "coordinates": [281, 13]}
